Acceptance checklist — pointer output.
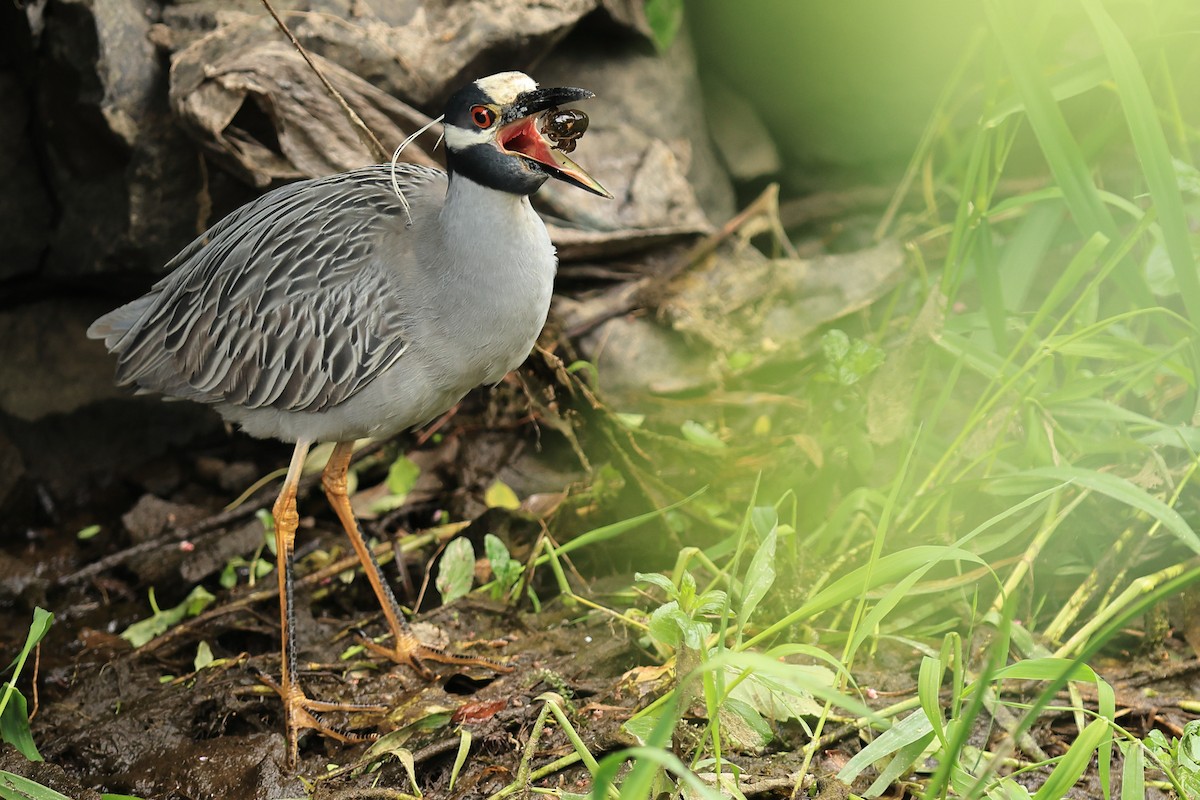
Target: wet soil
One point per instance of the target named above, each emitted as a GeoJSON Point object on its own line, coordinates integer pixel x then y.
{"type": "Point", "coordinates": [145, 722]}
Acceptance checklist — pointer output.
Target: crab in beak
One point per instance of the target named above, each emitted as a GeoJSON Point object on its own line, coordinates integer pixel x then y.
{"type": "Point", "coordinates": [520, 135]}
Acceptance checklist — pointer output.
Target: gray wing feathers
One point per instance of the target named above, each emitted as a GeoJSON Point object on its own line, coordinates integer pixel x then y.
{"type": "Point", "coordinates": [285, 303]}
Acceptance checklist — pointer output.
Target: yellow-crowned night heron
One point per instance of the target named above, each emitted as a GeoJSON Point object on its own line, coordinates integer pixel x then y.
{"type": "Point", "coordinates": [332, 310]}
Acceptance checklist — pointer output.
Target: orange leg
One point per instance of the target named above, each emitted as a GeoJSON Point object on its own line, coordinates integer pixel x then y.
{"type": "Point", "coordinates": [297, 708]}
{"type": "Point", "coordinates": [406, 648]}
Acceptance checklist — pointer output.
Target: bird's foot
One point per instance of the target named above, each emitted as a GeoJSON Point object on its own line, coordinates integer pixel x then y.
{"type": "Point", "coordinates": [409, 650]}
{"type": "Point", "coordinates": [301, 714]}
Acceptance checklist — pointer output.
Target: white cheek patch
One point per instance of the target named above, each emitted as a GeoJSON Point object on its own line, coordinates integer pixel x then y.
{"type": "Point", "coordinates": [460, 138]}
{"type": "Point", "coordinates": [504, 87]}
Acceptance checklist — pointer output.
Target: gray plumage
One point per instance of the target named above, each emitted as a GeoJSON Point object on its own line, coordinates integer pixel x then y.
{"type": "Point", "coordinates": [317, 312]}
{"type": "Point", "coordinates": [324, 311]}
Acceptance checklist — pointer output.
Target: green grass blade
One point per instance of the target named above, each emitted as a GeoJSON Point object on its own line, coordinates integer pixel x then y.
{"type": "Point", "coordinates": [1063, 154]}
{"type": "Point", "coordinates": [1025, 253]}
{"type": "Point", "coordinates": [1107, 484]}
{"type": "Point", "coordinates": [1070, 82]}
{"type": "Point", "coordinates": [1047, 668]}
{"type": "Point", "coordinates": [929, 687]}
{"type": "Point", "coordinates": [15, 787]}
{"type": "Point", "coordinates": [1150, 144]}
{"type": "Point", "coordinates": [913, 728]}
{"type": "Point", "coordinates": [1106, 634]}
{"type": "Point", "coordinates": [1107, 707]}
{"type": "Point", "coordinates": [1133, 773]}
{"type": "Point", "coordinates": [14, 727]}
{"type": "Point", "coordinates": [606, 532]}
{"type": "Point", "coordinates": [1072, 765]}
{"type": "Point", "coordinates": [887, 569]}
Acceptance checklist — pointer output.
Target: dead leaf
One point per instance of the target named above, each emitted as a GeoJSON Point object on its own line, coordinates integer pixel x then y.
{"type": "Point", "coordinates": [477, 712]}
{"type": "Point", "coordinates": [250, 98]}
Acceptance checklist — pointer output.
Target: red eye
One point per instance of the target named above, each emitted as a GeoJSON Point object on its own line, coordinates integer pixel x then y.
{"type": "Point", "coordinates": [482, 116]}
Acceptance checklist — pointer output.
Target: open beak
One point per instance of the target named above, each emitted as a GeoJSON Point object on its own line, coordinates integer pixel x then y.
{"type": "Point", "coordinates": [519, 135]}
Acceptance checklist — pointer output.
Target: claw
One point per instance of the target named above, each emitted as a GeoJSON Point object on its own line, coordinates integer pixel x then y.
{"type": "Point", "coordinates": [300, 714]}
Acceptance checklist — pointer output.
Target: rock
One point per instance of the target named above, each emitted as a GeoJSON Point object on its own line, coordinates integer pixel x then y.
{"type": "Point", "coordinates": [98, 445]}
{"type": "Point", "coordinates": [24, 204]}
{"type": "Point", "coordinates": [125, 179]}
{"type": "Point", "coordinates": [20, 581]}
{"type": "Point", "coordinates": [417, 50]}
{"type": "Point", "coordinates": [739, 134]}
{"type": "Point", "coordinates": [736, 301]}
{"type": "Point", "coordinates": [152, 516]}
{"type": "Point", "coordinates": [637, 359]}
{"type": "Point", "coordinates": [49, 364]}
{"type": "Point", "coordinates": [647, 107]}
{"type": "Point", "coordinates": [12, 469]}
{"type": "Point", "coordinates": [253, 102]}
{"type": "Point", "coordinates": [219, 550]}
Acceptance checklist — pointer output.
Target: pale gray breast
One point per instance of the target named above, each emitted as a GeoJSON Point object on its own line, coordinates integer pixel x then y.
{"type": "Point", "coordinates": [495, 275]}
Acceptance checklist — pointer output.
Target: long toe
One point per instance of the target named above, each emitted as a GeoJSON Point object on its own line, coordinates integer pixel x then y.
{"type": "Point", "coordinates": [414, 653]}
{"type": "Point", "coordinates": [301, 714]}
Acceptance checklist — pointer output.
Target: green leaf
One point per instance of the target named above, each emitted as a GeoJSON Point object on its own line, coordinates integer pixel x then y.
{"type": "Point", "coordinates": [464, 748]}
{"type": "Point", "coordinates": [143, 631]}
{"type": "Point", "coordinates": [1073, 764]}
{"type": "Point", "coordinates": [667, 623]}
{"type": "Point", "coordinates": [501, 495]}
{"type": "Point", "coordinates": [760, 576]}
{"type": "Point", "coordinates": [641, 726]}
{"type": "Point", "coordinates": [903, 760]}
{"type": "Point", "coordinates": [697, 434]}
{"type": "Point", "coordinates": [14, 726]}
{"type": "Point", "coordinates": [744, 727]}
{"type": "Point", "coordinates": [42, 620]}
{"type": "Point", "coordinates": [204, 656]}
{"type": "Point", "coordinates": [229, 577]}
{"type": "Point", "coordinates": [1070, 82]}
{"type": "Point", "coordinates": [1150, 144]}
{"type": "Point", "coordinates": [664, 18]}
{"type": "Point", "coordinates": [14, 715]}
{"type": "Point", "coordinates": [497, 554]}
{"type": "Point", "coordinates": [14, 787]}
{"type": "Point", "coordinates": [711, 602]}
{"type": "Point", "coordinates": [1133, 773]}
{"type": "Point", "coordinates": [267, 520]}
{"type": "Point", "coordinates": [659, 580]}
{"type": "Point", "coordinates": [456, 570]}
{"type": "Point", "coordinates": [87, 533]}
{"type": "Point", "coordinates": [929, 687]}
{"type": "Point", "coordinates": [915, 727]}
{"type": "Point", "coordinates": [784, 695]}
{"type": "Point", "coordinates": [612, 530]}
{"type": "Point", "coordinates": [505, 569]}
{"type": "Point", "coordinates": [1062, 152]}
{"type": "Point", "coordinates": [851, 586]}
{"type": "Point", "coordinates": [402, 476]}
{"type": "Point", "coordinates": [633, 421]}
{"type": "Point", "coordinates": [1107, 484]}
{"type": "Point", "coordinates": [835, 346]}
{"type": "Point", "coordinates": [848, 361]}
{"type": "Point", "coordinates": [1008, 789]}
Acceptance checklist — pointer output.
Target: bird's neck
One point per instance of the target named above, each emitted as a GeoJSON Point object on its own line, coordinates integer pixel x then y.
{"type": "Point", "coordinates": [466, 197]}
{"type": "Point", "coordinates": [487, 227]}
{"type": "Point", "coordinates": [497, 264]}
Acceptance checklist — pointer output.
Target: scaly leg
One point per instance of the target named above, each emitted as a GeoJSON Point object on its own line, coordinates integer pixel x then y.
{"type": "Point", "coordinates": [406, 648]}
{"type": "Point", "coordinates": [297, 708]}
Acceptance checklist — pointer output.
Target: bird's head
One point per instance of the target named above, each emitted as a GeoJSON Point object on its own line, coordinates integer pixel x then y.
{"type": "Point", "coordinates": [493, 137]}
